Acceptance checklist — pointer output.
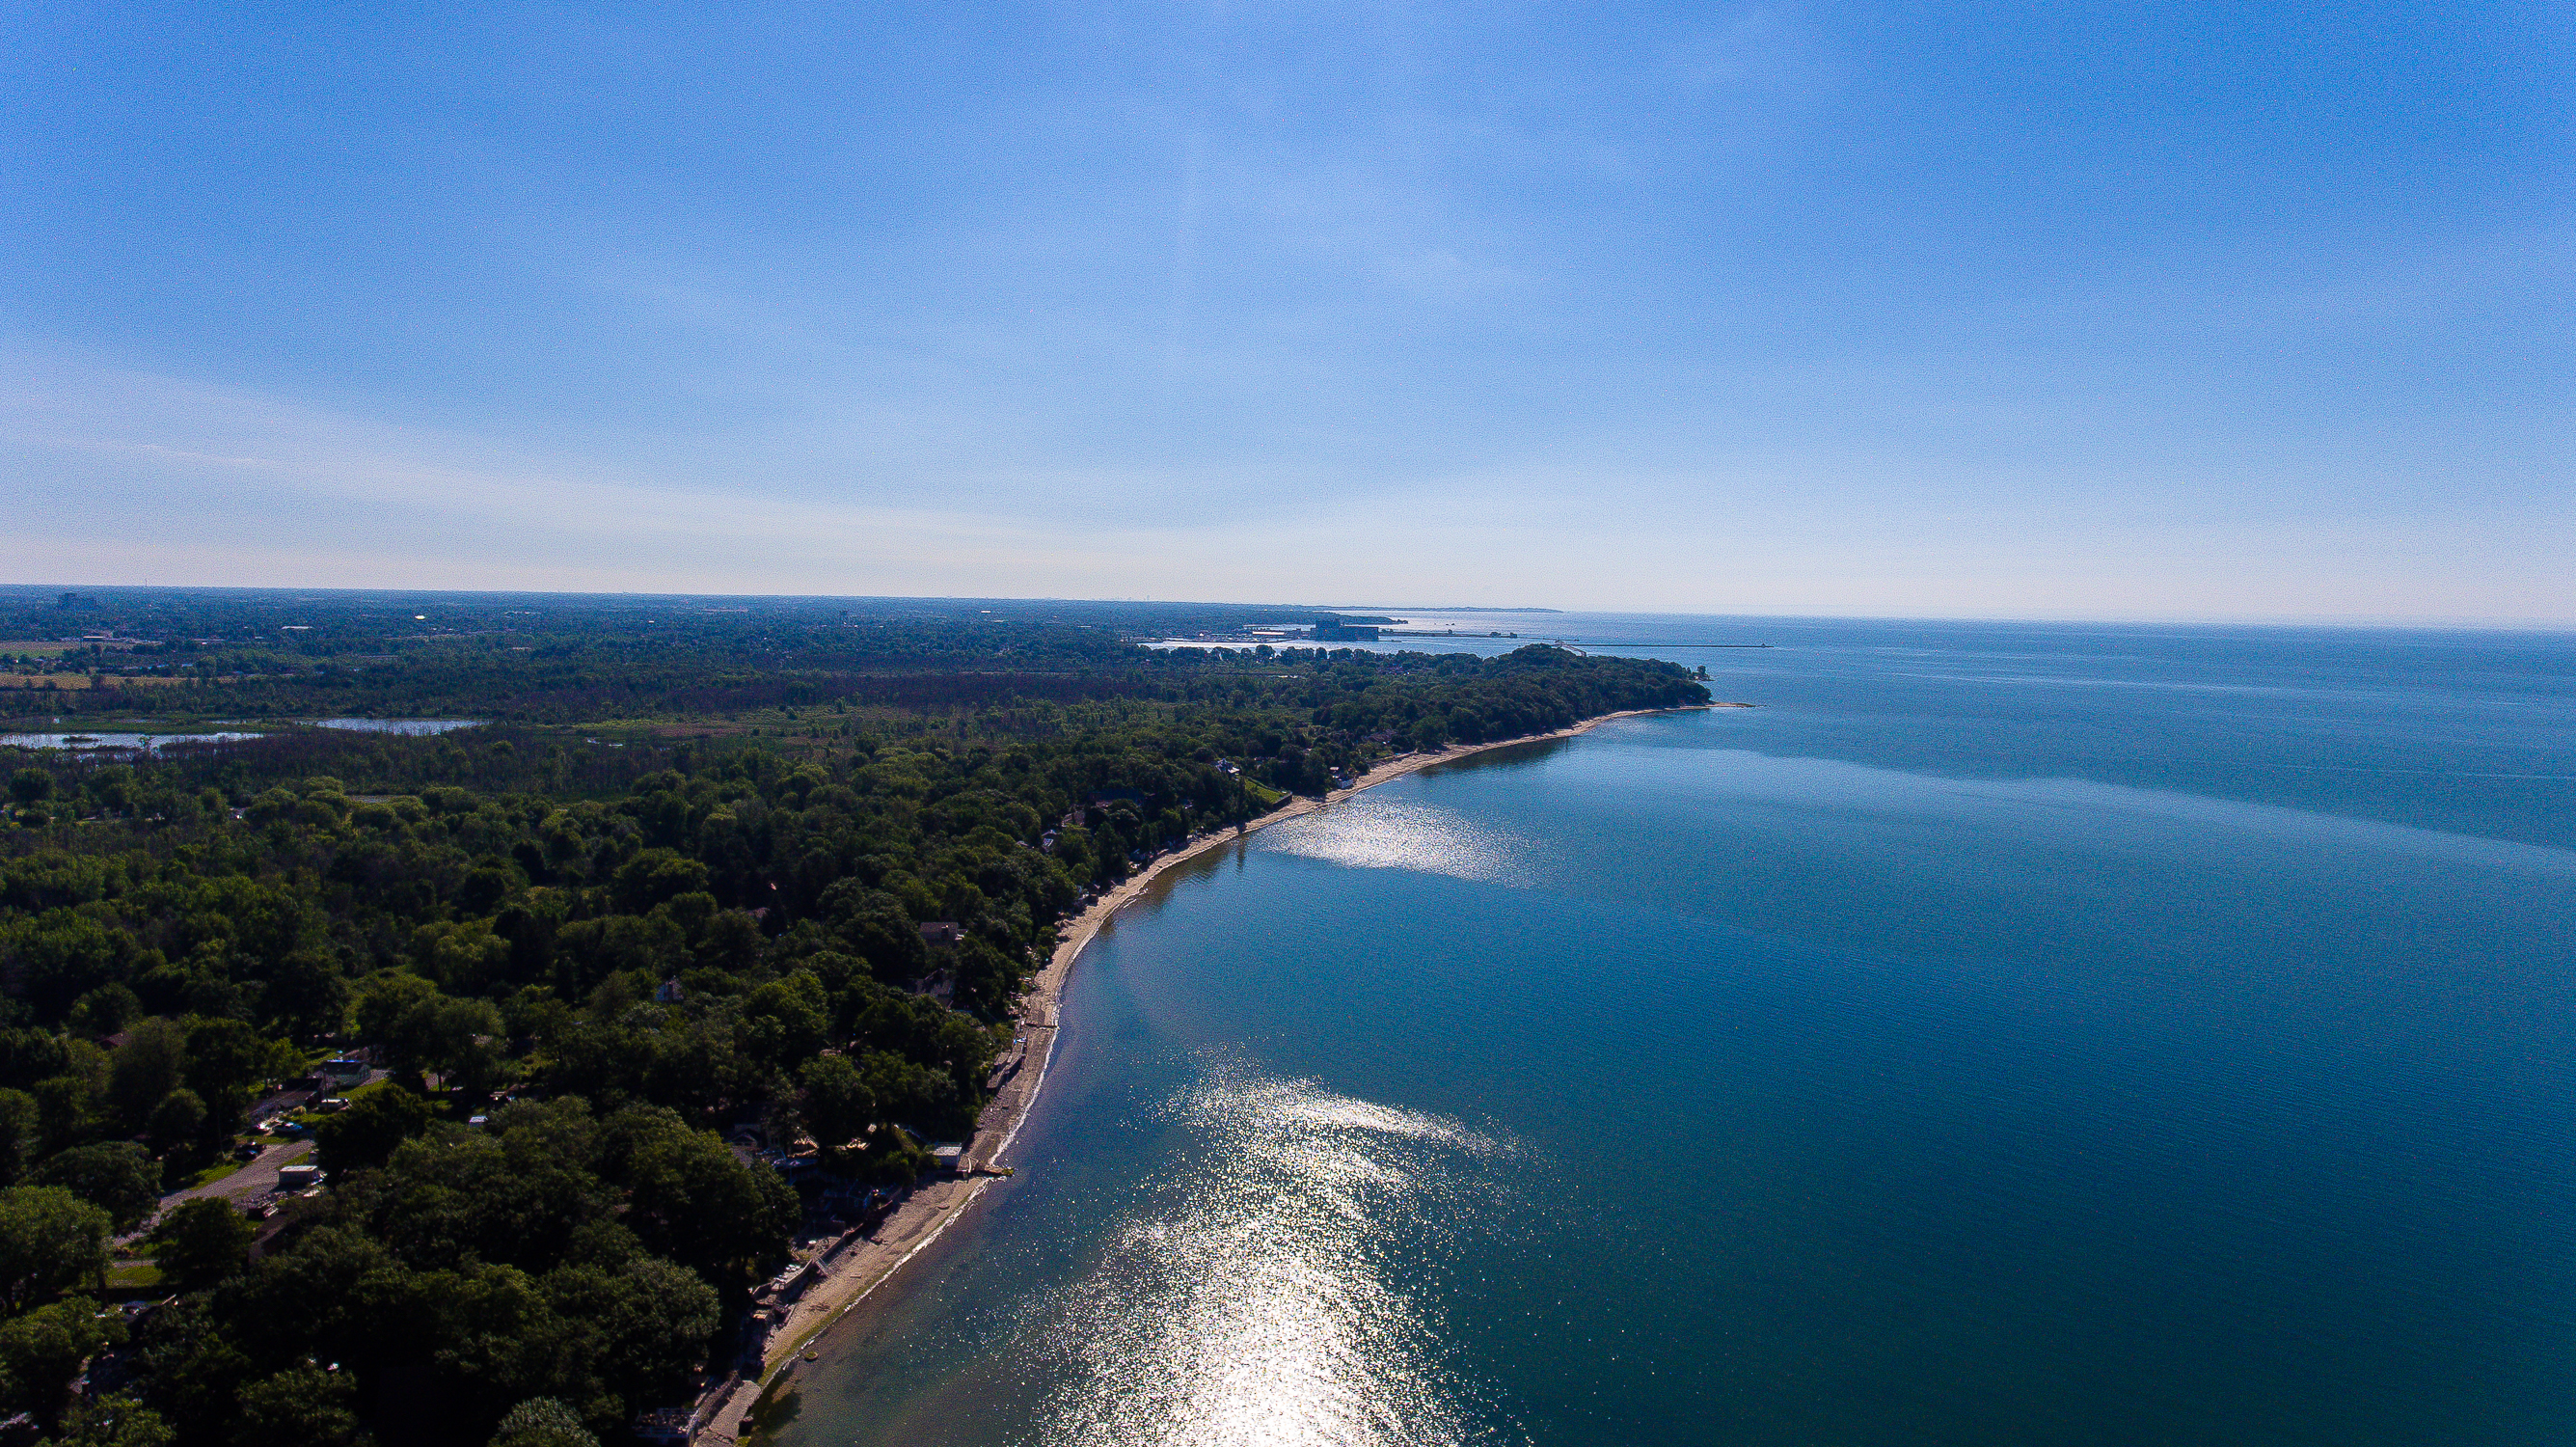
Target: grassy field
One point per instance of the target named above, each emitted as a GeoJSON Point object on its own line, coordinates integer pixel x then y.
{"type": "Point", "coordinates": [212, 1174]}
{"type": "Point", "coordinates": [138, 1277]}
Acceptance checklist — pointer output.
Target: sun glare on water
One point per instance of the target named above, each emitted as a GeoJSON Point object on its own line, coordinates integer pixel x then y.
{"type": "Point", "coordinates": [1252, 1302]}
{"type": "Point", "coordinates": [1379, 832]}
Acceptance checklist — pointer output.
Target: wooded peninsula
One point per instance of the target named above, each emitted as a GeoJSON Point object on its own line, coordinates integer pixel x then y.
{"type": "Point", "coordinates": [597, 950]}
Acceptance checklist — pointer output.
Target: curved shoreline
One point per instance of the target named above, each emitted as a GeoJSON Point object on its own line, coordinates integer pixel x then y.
{"type": "Point", "coordinates": [853, 1272]}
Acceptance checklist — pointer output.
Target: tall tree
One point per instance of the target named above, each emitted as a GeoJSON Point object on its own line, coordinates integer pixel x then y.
{"type": "Point", "coordinates": [51, 1242]}
{"type": "Point", "coordinates": [118, 1177]}
{"type": "Point", "coordinates": [201, 1242]}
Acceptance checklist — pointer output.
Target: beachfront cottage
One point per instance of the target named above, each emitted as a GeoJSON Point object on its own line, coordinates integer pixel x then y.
{"type": "Point", "coordinates": [789, 1284]}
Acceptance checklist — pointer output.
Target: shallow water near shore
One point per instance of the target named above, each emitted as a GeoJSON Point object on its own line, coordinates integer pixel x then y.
{"type": "Point", "coordinates": [2005, 1033]}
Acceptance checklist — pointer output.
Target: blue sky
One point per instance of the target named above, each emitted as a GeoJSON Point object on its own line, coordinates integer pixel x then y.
{"type": "Point", "coordinates": [2070, 310]}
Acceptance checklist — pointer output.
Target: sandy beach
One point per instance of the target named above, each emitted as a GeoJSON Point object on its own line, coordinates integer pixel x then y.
{"type": "Point", "coordinates": [856, 1268]}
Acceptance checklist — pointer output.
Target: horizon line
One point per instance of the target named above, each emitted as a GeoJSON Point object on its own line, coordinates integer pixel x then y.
{"type": "Point", "coordinates": [2379, 622]}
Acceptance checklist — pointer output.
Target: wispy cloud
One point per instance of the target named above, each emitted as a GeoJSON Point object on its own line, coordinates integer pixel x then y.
{"type": "Point", "coordinates": [132, 476]}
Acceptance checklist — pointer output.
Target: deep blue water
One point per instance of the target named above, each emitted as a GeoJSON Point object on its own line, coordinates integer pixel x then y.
{"type": "Point", "coordinates": [2004, 1033]}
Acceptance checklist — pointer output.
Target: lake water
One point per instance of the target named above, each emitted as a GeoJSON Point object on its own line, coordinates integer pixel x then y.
{"type": "Point", "coordinates": [114, 743]}
{"type": "Point", "coordinates": [2002, 1034]}
{"type": "Point", "coordinates": [415, 727]}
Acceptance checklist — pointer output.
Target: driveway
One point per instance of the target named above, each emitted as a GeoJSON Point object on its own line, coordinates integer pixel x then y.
{"type": "Point", "coordinates": [255, 1179]}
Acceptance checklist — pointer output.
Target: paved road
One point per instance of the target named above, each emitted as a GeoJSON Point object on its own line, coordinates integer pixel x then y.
{"type": "Point", "coordinates": [288, 1099]}
{"type": "Point", "coordinates": [254, 1179]}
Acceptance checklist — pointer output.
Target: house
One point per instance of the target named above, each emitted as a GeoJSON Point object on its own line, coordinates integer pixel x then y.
{"type": "Point", "coordinates": [943, 934]}
{"type": "Point", "coordinates": [948, 1160]}
{"type": "Point", "coordinates": [790, 1284]}
{"type": "Point", "coordinates": [668, 993]}
{"type": "Point", "coordinates": [298, 1178]}
{"type": "Point", "coordinates": [343, 1071]}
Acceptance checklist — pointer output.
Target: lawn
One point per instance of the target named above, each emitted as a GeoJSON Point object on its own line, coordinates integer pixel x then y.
{"type": "Point", "coordinates": [212, 1174]}
{"type": "Point", "coordinates": [133, 1276]}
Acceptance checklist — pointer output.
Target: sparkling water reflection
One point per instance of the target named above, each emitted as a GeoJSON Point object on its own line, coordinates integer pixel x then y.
{"type": "Point", "coordinates": [1386, 831]}
{"type": "Point", "coordinates": [1923, 1056]}
{"type": "Point", "coordinates": [1252, 1303]}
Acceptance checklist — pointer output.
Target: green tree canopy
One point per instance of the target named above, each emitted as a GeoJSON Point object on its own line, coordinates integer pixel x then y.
{"type": "Point", "coordinates": [113, 1421]}
{"type": "Point", "coordinates": [543, 1422]}
{"type": "Point", "coordinates": [42, 1350]}
{"type": "Point", "coordinates": [119, 1177]}
{"type": "Point", "coordinates": [149, 1065]}
{"type": "Point", "coordinates": [838, 1107]}
{"type": "Point", "coordinates": [421, 1030]}
{"type": "Point", "coordinates": [18, 1133]}
{"type": "Point", "coordinates": [302, 1406]}
{"type": "Point", "coordinates": [177, 1121]}
{"type": "Point", "coordinates": [689, 1198]}
{"type": "Point", "coordinates": [227, 1059]}
{"type": "Point", "coordinates": [200, 1242]}
{"type": "Point", "coordinates": [379, 1119]}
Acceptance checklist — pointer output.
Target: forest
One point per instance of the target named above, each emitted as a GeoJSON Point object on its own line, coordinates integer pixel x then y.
{"type": "Point", "coordinates": [665, 895]}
